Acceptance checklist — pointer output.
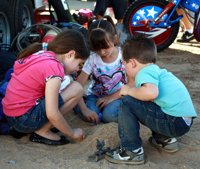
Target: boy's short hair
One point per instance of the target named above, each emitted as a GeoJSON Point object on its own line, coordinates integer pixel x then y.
{"type": "Point", "coordinates": [141, 48]}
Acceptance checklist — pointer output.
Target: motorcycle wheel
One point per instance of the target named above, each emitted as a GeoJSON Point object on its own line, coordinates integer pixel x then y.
{"type": "Point", "coordinates": [23, 14]}
{"type": "Point", "coordinates": [141, 12]}
{"type": "Point", "coordinates": [6, 24]}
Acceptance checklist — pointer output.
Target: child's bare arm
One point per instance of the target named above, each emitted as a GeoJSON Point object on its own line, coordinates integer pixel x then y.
{"type": "Point", "coordinates": [82, 78]}
{"type": "Point", "coordinates": [54, 115]}
{"type": "Point", "coordinates": [146, 92]}
{"type": "Point", "coordinates": [89, 114]}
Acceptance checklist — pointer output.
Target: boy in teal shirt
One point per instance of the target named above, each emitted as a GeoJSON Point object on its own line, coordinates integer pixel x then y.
{"type": "Point", "coordinates": [153, 97]}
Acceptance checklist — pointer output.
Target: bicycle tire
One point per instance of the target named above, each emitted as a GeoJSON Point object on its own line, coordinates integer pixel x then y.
{"type": "Point", "coordinates": [197, 27]}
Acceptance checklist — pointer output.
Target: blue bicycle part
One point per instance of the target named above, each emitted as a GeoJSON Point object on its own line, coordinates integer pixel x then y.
{"type": "Point", "coordinates": [192, 5]}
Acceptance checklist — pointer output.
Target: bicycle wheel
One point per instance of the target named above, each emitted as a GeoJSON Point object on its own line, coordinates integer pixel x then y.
{"type": "Point", "coordinates": [142, 12]}
{"type": "Point", "coordinates": [197, 27]}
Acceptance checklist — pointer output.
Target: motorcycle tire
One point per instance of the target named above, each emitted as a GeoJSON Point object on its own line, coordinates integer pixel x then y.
{"type": "Point", "coordinates": [141, 12]}
{"type": "Point", "coordinates": [23, 14]}
{"type": "Point", "coordinates": [6, 24]}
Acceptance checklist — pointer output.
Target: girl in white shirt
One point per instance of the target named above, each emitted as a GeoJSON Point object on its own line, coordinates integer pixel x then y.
{"type": "Point", "coordinates": [106, 70]}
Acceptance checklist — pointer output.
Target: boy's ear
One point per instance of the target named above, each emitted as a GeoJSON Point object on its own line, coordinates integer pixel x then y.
{"type": "Point", "coordinates": [133, 62]}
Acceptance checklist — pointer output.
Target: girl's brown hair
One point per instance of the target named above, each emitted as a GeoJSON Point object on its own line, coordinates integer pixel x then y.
{"type": "Point", "coordinates": [64, 42]}
{"type": "Point", "coordinates": [101, 32]}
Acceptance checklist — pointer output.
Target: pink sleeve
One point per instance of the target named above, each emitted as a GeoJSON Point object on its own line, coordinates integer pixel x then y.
{"type": "Point", "coordinates": [53, 69]}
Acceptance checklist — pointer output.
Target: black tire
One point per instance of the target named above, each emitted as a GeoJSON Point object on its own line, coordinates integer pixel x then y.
{"type": "Point", "coordinates": [23, 14]}
{"type": "Point", "coordinates": [130, 1]}
{"type": "Point", "coordinates": [62, 14]}
{"type": "Point", "coordinates": [165, 37]}
{"type": "Point", "coordinates": [6, 23]}
{"type": "Point", "coordinates": [197, 27]}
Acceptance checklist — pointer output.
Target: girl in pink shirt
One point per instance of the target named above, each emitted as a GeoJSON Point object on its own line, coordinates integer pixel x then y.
{"type": "Point", "coordinates": [33, 102]}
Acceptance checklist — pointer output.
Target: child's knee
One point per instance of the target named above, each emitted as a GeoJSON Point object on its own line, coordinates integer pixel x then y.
{"type": "Point", "coordinates": [77, 88]}
{"type": "Point", "coordinates": [109, 117]}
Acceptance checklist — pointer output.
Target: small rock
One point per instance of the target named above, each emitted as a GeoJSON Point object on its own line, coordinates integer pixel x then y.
{"type": "Point", "coordinates": [12, 162]}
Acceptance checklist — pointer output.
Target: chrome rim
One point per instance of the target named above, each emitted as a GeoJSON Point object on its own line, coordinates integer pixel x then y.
{"type": "Point", "coordinates": [4, 29]}
{"type": "Point", "coordinates": [26, 18]}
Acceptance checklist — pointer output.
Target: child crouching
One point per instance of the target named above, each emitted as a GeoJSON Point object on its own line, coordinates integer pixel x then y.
{"type": "Point", "coordinates": [156, 99]}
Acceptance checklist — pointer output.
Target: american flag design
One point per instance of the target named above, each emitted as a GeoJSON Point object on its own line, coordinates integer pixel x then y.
{"type": "Point", "coordinates": [145, 14]}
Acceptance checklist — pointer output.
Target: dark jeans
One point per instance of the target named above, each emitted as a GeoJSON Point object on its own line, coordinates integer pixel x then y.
{"type": "Point", "coordinates": [133, 111]}
{"type": "Point", "coordinates": [119, 7]}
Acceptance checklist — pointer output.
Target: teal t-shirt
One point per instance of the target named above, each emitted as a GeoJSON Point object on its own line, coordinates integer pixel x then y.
{"type": "Point", "coordinates": [173, 98]}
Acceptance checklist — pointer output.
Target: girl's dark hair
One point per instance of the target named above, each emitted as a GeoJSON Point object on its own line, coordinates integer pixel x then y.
{"type": "Point", "coordinates": [101, 32]}
{"type": "Point", "coordinates": [65, 41]}
{"type": "Point", "coordinates": [141, 48]}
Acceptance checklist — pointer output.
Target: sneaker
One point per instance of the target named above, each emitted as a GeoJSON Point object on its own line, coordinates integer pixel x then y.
{"type": "Point", "coordinates": [187, 37]}
{"type": "Point", "coordinates": [169, 145]}
{"type": "Point", "coordinates": [120, 156]}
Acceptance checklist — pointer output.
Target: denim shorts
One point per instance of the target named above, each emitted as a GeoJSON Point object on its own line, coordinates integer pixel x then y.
{"type": "Point", "coordinates": [34, 119]}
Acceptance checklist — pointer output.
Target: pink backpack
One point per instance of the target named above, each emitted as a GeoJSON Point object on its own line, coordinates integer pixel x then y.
{"type": "Point", "coordinates": [86, 12]}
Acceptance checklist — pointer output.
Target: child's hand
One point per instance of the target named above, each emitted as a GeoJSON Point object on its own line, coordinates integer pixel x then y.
{"type": "Point", "coordinates": [91, 116]}
{"type": "Point", "coordinates": [78, 134]}
{"type": "Point", "coordinates": [124, 90]}
{"type": "Point", "coordinates": [102, 102]}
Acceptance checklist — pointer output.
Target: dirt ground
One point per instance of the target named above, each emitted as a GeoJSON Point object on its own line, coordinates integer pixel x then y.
{"type": "Point", "coordinates": [183, 60]}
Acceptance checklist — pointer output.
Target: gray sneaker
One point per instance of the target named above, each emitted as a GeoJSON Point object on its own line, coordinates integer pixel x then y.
{"type": "Point", "coordinates": [169, 145]}
{"type": "Point", "coordinates": [120, 156]}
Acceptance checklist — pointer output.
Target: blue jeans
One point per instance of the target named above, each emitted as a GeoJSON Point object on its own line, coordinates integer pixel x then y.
{"type": "Point", "coordinates": [133, 111]}
{"type": "Point", "coordinates": [34, 119]}
{"type": "Point", "coordinates": [109, 112]}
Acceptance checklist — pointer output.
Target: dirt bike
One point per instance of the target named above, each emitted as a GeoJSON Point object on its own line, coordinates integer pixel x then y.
{"type": "Point", "coordinates": [159, 20]}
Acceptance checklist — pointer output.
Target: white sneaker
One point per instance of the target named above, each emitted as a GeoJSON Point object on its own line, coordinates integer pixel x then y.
{"type": "Point", "coordinates": [125, 156]}
{"type": "Point", "coordinates": [169, 145]}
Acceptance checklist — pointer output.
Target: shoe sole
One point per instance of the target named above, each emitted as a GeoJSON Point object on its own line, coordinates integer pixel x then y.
{"type": "Point", "coordinates": [112, 160]}
{"type": "Point", "coordinates": [161, 148]}
{"type": "Point", "coordinates": [184, 41]}
{"type": "Point", "coordinates": [168, 151]}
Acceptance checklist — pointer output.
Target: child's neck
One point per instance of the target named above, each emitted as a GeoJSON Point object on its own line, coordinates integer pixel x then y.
{"type": "Point", "coordinates": [139, 66]}
{"type": "Point", "coordinates": [112, 57]}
